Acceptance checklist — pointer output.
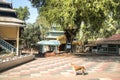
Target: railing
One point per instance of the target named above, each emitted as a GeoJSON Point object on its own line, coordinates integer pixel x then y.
{"type": "Point", "coordinates": [4, 44]}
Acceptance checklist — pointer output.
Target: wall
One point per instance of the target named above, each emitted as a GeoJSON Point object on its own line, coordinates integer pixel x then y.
{"type": "Point", "coordinates": [8, 33]}
{"type": "Point", "coordinates": [15, 61]}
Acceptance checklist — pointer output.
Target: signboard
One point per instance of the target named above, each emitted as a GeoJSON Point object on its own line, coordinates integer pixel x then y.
{"type": "Point", "coordinates": [68, 46]}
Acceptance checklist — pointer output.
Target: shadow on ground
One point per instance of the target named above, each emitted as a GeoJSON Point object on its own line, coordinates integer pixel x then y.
{"type": "Point", "coordinates": [40, 55]}
{"type": "Point", "coordinates": [100, 58]}
{"type": "Point", "coordinates": [94, 58]}
{"type": "Point", "coordinates": [78, 73]}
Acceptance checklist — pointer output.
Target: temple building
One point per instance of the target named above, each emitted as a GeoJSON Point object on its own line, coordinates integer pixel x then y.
{"type": "Point", "coordinates": [51, 42]}
{"type": "Point", "coordinates": [10, 27]}
{"type": "Point", "coordinates": [56, 40]}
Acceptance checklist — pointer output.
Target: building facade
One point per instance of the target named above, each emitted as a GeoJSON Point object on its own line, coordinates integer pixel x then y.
{"type": "Point", "coordinates": [110, 45]}
{"type": "Point", "coordinates": [10, 27]}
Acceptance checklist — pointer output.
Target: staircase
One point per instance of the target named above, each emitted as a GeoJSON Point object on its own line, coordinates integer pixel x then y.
{"type": "Point", "coordinates": [4, 44]}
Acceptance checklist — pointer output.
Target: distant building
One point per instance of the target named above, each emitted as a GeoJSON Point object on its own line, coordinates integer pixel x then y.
{"type": "Point", "coordinates": [51, 40]}
{"type": "Point", "coordinates": [110, 45]}
{"type": "Point", "coordinates": [10, 27]}
{"type": "Point", "coordinates": [53, 35]}
{"type": "Point", "coordinates": [56, 34]}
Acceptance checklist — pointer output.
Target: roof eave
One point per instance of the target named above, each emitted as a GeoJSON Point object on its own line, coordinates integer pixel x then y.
{"type": "Point", "coordinates": [11, 24]}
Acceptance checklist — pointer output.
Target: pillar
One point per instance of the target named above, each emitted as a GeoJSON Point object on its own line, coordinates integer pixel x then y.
{"type": "Point", "coordinates": [17, 49]}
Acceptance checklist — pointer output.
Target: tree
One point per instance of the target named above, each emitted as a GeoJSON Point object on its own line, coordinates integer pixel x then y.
{"type": "Point", "coordinates": [70, 14]}
{"type": "Point", "coordinates": [44, 25]}
{"type": "Point", "coordinates": [38, 3]}
{"type": "Point", "coordinates": [22, 13]}
{"type": "Point", "coordinates": [117, 16]}
{"type": "Point", "coordinates": [30, 35]}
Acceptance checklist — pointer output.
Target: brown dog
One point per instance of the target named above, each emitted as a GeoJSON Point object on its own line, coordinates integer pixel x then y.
{"type": "Point", "coordinates": [77, 68]}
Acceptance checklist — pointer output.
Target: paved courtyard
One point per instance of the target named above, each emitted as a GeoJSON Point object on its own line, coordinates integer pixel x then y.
{"type": "Point", "coordinates": [58, 68]}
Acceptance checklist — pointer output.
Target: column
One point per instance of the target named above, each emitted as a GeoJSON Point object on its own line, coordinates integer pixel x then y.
{"type": "Point", "coordinates": [17, 49]}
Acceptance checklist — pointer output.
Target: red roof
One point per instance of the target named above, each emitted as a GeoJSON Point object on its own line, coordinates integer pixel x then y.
{"type": "Point", "coordinates": [115, 37]}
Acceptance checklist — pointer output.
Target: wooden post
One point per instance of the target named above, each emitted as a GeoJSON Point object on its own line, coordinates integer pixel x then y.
{"type": "Point", "coordinates": [17, 50]}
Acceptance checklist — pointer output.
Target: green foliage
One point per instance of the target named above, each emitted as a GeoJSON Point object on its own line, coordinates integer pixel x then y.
{"type": "Point", "coordinates": [44, 25]}
{"type": "Point", "coordinates": [100, 17]}
{"type": "Point", "coordinates": [22, 13]}
{"type": "Point", "coordinates": [38, 3]}
{"type": "Point", "coordinates": [116, 14]}
{"type": "Point", "coordinates": [30, 35]}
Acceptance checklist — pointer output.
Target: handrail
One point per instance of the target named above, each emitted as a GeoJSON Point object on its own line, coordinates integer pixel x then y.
{"type": "Point", "coordinates": [7, 45]}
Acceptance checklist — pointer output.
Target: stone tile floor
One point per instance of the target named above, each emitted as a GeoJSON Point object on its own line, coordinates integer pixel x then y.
{"type": "Point", "coordinates": [58, 68]}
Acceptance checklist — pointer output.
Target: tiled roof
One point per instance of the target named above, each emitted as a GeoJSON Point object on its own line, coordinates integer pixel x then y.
{"type": "Point", "coordinates": [115, 37]}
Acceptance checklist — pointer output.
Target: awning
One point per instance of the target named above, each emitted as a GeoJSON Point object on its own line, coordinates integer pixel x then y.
{"type": "Point", "coordinates": [49, 42]}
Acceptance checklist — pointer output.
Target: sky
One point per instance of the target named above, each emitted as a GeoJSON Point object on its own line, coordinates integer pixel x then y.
{"type": "Point", "coordinates": [22, 3]}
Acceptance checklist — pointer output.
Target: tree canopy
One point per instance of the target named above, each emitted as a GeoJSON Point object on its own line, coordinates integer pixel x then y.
{"type": "Point", "coordinates": [95, 14]}
{"type": "Point", "coordinates": [70, 13]}
{"type": "Point", "coordinates": [22, 13]}
{"type": "Point", "coordinates": [30, 35]}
